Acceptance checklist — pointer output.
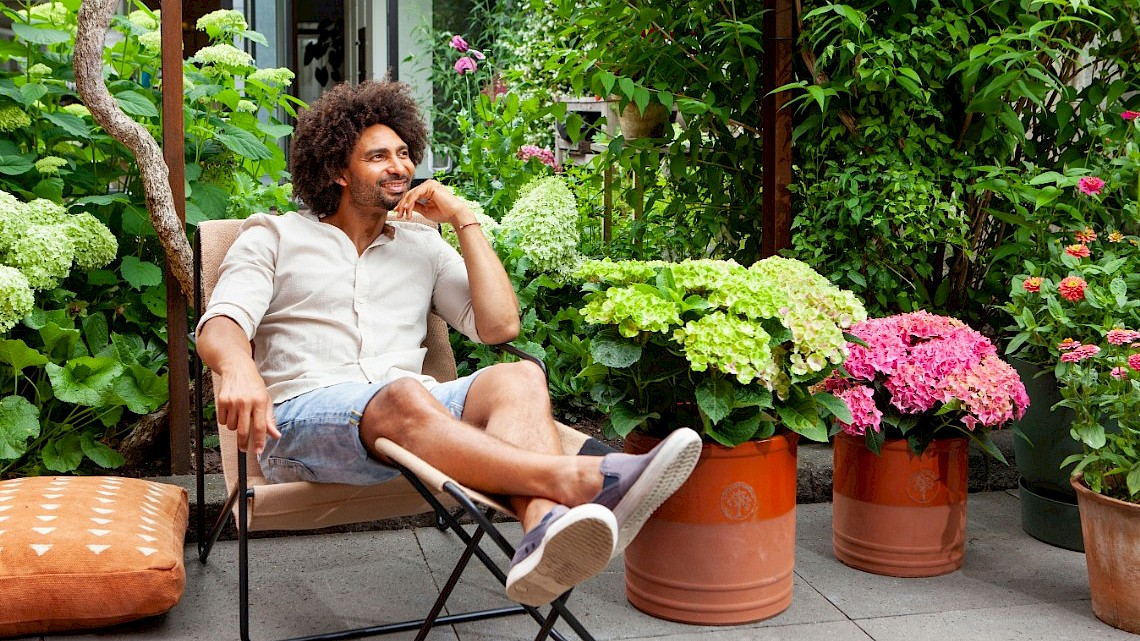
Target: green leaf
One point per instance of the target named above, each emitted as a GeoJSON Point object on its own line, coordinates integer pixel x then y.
{"type": "Point", "coordinates": [63, 454]}
{"type": "Point", "coordinates": [96, 332]}
{"type": "Point", "coordinates": [60, 343]}
{"type": "Point", "coordinates": [16, 164]}
{"type": "Point", "coordinates": [140, 274]}
{"type": "Point", "coordinates": [86, 380]}
{"type": "Point", "coordinates": [72, 124]}
{"type": "Point", "coordinates": [32, 92]}
{"type": "Point", "coordinates": [835, 405]}
{"type": "Point", "coordinates": [625, 420]}
{"type": "Point", "coordinates": [733, 433]}
{"type": "Point", "coordinates": [614, 353]}
{"type": "Point", "coordinates": [716, 398]}
{"type": "Point", "coordinates": [97, 451]}
{"type": "Point", "coordinates": [19, 421]}
{"type": "Point", "coordinates": [243, 143]}
{"type": "Point", "coordinates": [802, 423]}
{"type": "Point", "coordinates": [16, 353]}
{"type": "Point", "coordinates": [274, 130]}
{"type": "Point", "coordinates": [136, 104]}
{"type": "Point", "coordinates": [40, 34]}
{"type": "Point", "coordinates": [1133, 479]}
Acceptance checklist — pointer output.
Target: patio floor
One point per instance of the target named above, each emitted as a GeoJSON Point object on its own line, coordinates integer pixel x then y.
{"type": "Point", "coordinates": [1011, 587]}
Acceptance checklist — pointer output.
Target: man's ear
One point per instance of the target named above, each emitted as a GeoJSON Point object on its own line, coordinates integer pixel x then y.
{"type": "Point", "coordinates": [341, 181]}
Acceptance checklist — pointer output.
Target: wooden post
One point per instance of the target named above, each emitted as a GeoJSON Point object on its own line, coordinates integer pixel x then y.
{"type": "Point", "coordinates": [173, 149]}
{"type": "Point", "coordinates": [776, 129]}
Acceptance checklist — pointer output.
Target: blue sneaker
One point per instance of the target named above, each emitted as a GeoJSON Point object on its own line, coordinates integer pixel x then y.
{"type": "Point", "coordinates": [636, 485]}
{"type": "Point", "coordinates": [567, 547]}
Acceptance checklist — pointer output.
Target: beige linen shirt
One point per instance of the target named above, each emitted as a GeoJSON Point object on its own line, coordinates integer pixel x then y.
{"type": "Point", "coordinates": [318, 314]}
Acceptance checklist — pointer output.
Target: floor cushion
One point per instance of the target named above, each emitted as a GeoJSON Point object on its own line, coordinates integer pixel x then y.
{"type": "Point", "coordinates": [86, 552]}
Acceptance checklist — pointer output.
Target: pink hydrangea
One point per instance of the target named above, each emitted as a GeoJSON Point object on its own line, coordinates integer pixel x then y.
{"type": "Point", "coordinates": [922, 361]}
{"type": "Point", "coordinates": [544, 156]}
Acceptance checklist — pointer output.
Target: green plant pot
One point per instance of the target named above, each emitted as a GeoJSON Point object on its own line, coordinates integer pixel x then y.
{"type": "Point", "coordinates": [1048, 502]}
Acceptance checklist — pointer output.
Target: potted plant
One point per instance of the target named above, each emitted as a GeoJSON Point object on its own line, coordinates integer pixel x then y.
{"type": "Point", "coordinates": [1079, 288]}
{"type": "Point", "coordinates": [732, 352]}
{"type": "Point", "coordinates": [1101, 383]}
{"type": "Point", "coordinates": [919, 386]}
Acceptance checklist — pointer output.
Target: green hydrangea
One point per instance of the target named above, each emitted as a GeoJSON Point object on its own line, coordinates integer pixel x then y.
{"type": "Point", "coordinates": [223, 55]}
{"type": "Point", "coordinates": [93, 243]}
{"type": "Point", "coordinates": [622, 272]}
{"type": "Point", "coordinates": [16, 298]}
{"type": "Point", "coordinates": [54, 13]}
{"type": "Point", "coordinates": [44, 212]}
{"type": "Point", "coordinates": [13, 118]}
{"type": "Point", "coordinates": [151, 41]}
{"type": "Point", "coordinates": [273, 77]}
{"type": "Point", "coordinates": [543, 223]}
{"type": "Point", "coordinates": [489, 226]}
{"type": "Point", "coordinates": [223, 22]}
{"type": "Point", "coordinates": [246, 106]}
{"type": "Point", "coordinates": [39, 69]}
{"type": "Point", "coordinates": [731, 344]}
{"type": "Point", "coordinates": [145, 19]}
{"type": "Point", "coordinates": [43, 255]}
{"type": "Point", "coordinates": [705, 275]}
{"type": "Point", "coordinates": [50, 165]}
{"type": "Point", "coordinates": [78, 109]}
{"type": "Point", "coordinates": [632, 310]}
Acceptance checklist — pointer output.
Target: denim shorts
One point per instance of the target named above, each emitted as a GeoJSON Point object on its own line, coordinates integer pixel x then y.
{"type": "Point", "coordinates": [320, 434]}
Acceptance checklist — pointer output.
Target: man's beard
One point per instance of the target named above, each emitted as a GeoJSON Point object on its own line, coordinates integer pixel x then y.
{"type": "Point", "coordinates": [374, 196]}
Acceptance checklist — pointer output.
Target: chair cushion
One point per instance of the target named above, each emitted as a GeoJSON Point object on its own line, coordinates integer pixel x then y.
{"type": "Point", "coordinates": [85, 552]}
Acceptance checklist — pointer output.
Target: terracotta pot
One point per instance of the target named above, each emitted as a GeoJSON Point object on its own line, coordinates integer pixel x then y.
{"type": "Point", "coordinates": [636, 124]}
{"type": "Point", "coordinates": [896, 513]}
{"type": "Point", "coordinates": [1112, 553]}
{"type": "Point", "coordinates": [722, 549]}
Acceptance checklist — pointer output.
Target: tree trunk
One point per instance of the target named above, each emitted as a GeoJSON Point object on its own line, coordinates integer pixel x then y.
{"type": "Point", "coordinates": [94, 19]}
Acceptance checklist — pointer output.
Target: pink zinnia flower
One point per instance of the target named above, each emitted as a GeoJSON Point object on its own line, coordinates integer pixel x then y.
{"type": "Point", "coordinates": [1080, 250]}
{"type": "Point", "coordinates": [1118, 336]}
{"type": "Point", "coordinates": [1072, 288]}
{"type": "Point", "coordinates": [1134, 361]}
{"type": "Point", "coordinates": [459, 44]}
{"type": "Point", "coordinates": [1130, 115]}
{"type": "Point", "coordinates": [465, 65]}
{"type": "Point", "coordinates": [1079, 354]}
{"type": "Point", "coordinates": [1086, 235]}
{"type": "Point", "coordinates": [1068, 345]}
{"type": "Point", "coordinates": [1090, 185]}
{"type": "Point", "coordinates": [1119, 372]}
{"type": "Point", "coordinates": [1032, 284]}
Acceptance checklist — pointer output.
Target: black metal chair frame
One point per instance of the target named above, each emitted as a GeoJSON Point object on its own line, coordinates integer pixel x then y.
{"type": "Point", "coordinates": [445, 520]}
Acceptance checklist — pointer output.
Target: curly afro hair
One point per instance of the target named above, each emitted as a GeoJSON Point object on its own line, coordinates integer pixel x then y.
{"type": "Point", "coordinates": [329, 129]}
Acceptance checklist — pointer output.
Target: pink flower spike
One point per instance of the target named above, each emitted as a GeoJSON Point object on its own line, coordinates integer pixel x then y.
{"type": "Point", "coordinates": [459, 44]}
{"type": "Point", "coordinates": [478, 55]}
{"type": "Point", "coordinates": [1090, 185]}
{"type": "Point", "coordinates": [1130, 115]}
{"type": "Point", "coordinates": [465, 65]}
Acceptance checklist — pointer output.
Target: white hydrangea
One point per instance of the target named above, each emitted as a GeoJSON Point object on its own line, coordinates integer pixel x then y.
{"type": "Point", "coordinates": [273, 77]}
{"type": "Point", "coordinates": [144, 19]}
{"type": "Point", "coordinates": [16, 298]}
{"type": "Point", "coordinates": [223, 55]}
{"type": "Point", "coordinates": [543, 223]}
{"type": "Point", "coordinates": [93, 243]}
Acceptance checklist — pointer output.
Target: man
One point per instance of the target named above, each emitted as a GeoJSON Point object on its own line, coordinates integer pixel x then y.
{"type": "Point", "coordinates": [335, 305]}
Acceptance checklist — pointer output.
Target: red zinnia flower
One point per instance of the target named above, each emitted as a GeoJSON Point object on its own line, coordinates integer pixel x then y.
{"type": "Point", "coordinates": [1072, 288]}
{"type": "Point", "coordinates": [1079, 354]}
{"type": "Point", "coordinates": [1090, 185]}
{"type": "Point", "coordinates": [1032, 284]}
{"type": "Point", "coordinates": [1086, 235]}
{"type": "Point", "coordinates": [1079, 250]}
{"type": "Point", "coordinates": [1130, 115]}
{"type": "Point", "coordinates": [1068, 344]}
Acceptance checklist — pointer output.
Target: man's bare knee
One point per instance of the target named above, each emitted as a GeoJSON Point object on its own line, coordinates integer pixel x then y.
{"type": "Point", "coordinates": [397, 411]}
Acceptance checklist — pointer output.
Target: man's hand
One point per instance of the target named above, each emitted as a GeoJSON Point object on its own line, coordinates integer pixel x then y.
{"type": "Point", "coordinates": [243, 405]}
{"type": "Point", "coordinates": [435, 202]}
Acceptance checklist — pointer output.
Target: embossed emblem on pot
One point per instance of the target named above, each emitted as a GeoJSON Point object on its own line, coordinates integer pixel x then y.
{"type": "Point", "coordinates": [738, 501]}
{"type": "Point", "coordinates": [923, 486]}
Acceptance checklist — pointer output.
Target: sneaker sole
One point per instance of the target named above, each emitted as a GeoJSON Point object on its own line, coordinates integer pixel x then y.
{"type": "Point", "coordinates": [663, 476]}
{"type": "Point", "coordinates": [577, 547]}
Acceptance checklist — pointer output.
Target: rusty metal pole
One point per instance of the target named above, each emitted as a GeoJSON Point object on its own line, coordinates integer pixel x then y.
{"type": "Point", "coordinates": [776, 129]}
{"type": "Point", "coordinates": [173, 149]}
